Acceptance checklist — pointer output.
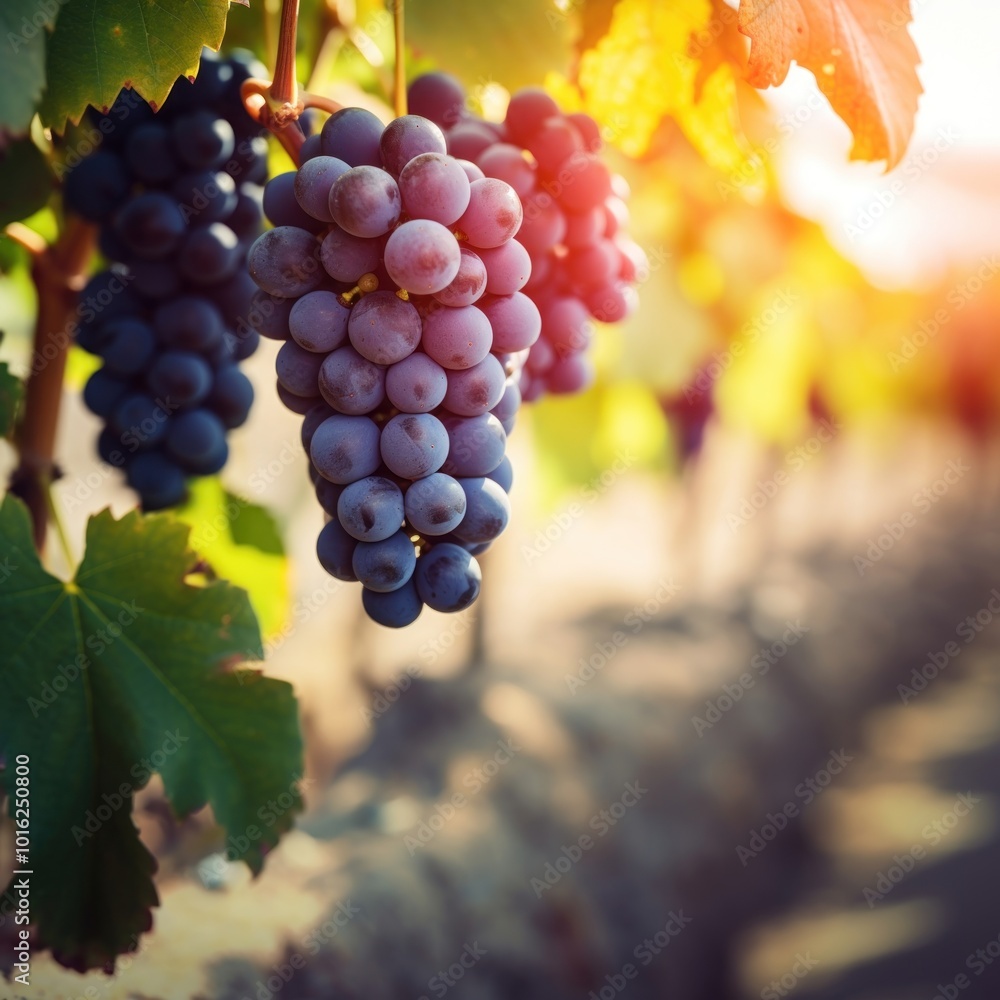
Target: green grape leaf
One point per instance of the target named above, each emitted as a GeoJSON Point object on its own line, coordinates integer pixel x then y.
{"type": "Point", "coordinates": [514, 43]}
{"type": "Point", "coordinates": [25, 181]}
{"type": "Point", "coordinates": [124, 672]}
{"type": "Point", "coordinates": [23, 28]}
{"type": "Point", "coordinates": [101, 46]}
{"type": "Point", "coordinates": [11, 393]}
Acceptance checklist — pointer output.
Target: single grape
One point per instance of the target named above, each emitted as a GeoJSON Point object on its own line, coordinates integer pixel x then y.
{"type": "Point", "coordinates": [507, 409]}
{"type": "Point", "coordinates": [384, 328]}
{"type": "Point", "coordinates": [313, 418]}
{"type": "Point", "coordinates": [386, 565]}
{"type": "Point", "coordinates": [313, 182]}
{"type": "Point", "coordinates": [448, 578]}
{"type": "Point", "coordinates": [414, 445]}
{"type": "Point", "coordinates": [96, 186]}
{"type": "Point", "coordinates": [297, 404]}
{"type": "Point", "coordinates": [457, 338]}
{"type": "Point", "coordinates": [284, 262]}
{"type": "Point", "coordinates": [139, 421]}
{"type": "Point", "coordinates": [245, 218]}
{"type": "Point", "coordinates": [503, 474]}
{"type": "Point", "coordinates": [346, 257]}
{"type": "Point", "coordinates": [350, 383]}
{"type": "Point", "coordinates": [468, 139]}
{"type": "Point", "coordinates": [269, 315]}
{"type": "Point", "coordinates": [494, 214]}
{"type": "Point", "coordinates": [396, 609]}
{"type": "Point", "coordinates": [508, 163]}
{"type": "Point", "coordinates": [298, 369]}
{"type": "Point", "coordinates": [468, 285]}
{"type": "Point", "coordinates": [588, 129]}
{"type": "Point", "coordinates": [526, 112]}
{"type": "Point", "coordinates": [437, 96]}
{"type": "Point", "coordinates": [475, 390]}
{"type": "Point", "coordinates": [180, 378]}
{"type": "Point", "coordinates": [129, 344]}
{"type": "Point", "coordinates": [231, 396]}
{"type": "Point", "coordinates": [318, 322]}
{"type": "Point", "coordinates": [151, 225]}
{"type": "Point", "coordinates": [570, 374]}
{"type": "Point", "coordinates": [471, 170]}
{"type": "Point", "coordinates": [514, 319]}
{"type": "Point", "coordinates": [407, 137]}
{"type": "Point", "coordinates": [584, 228]}
{"type": "Point", "coordinates": [508, 268]}
{"type": "Point", "coordinates": [416, 384]}
{"type": "Point", "coordinates": [544, 224]}
{"type": "Point", "coordinates": [328, 495]}
{"type": "Point", "coordinates": [584, 183]}
{"type": "Point", "coordinates": [335, 551]}
{"type": "Point", "coordinates": [352, 135]}
{"type": "Point", "coordinates": [209, 254]}
{"type": "Point", "coordinates": [371, 509]}
{"type": "Point", "coordinates": [553, 143]}
{"type": "Point", "coordinates": [422, 256]}
{"type": "Point", "coordinates": [282, 207]}
{"type": "Point", "coordinates": [345, 448]}
{"type": "Point", "coordinates": [475, 445]}
{"type": "Point", "coordinates": [567, 325]}
{"type": "Point", "coordinates": [188, 323]}
{"type": "Point", "coordinates": [158, 481]}
{"type": "Point", "coordinates": [364, 201]}
{"type": "Point", "coordinates": [487, 510]}
{"type": "Point", "coordinates": [596, 264]}
{"type": "Point", "coordinates": [435, 505]}
{"type": "Point", "coordinates": [196, 440]}
{"type": "Point", "coordinates": [434, 186]}
{"type": "Point", "coordinates": [103, 392]}
{"type": "Point", "coordinates": [202, 140]}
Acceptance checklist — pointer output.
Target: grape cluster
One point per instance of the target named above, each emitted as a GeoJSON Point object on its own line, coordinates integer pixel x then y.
{"type": "Point", "coordinates": [178, 197]}
{"type": "Point", "coordinates": [393, 277]}
{"type": "Point", "coordinates": [583, 265]}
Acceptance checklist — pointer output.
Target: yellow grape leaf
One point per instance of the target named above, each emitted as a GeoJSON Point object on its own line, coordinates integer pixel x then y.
{"type": "Point", "coordinates": [648, 67]}
{"type": "Point", "coordinates": [861, 54]}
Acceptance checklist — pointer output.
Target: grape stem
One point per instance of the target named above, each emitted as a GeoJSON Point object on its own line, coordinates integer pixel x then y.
{"type": "Point", "coordinates": [284, 86]}
{"type": "Point", "coordinates": [399, 85]}
{"type": "Point", "coordinates": [58, 272]}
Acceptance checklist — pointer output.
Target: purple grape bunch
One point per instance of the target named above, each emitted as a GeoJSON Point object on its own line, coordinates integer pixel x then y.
{"type": "Point", "coordinates": [177, 194]}
{"type": "Point", "coordinates": [393, 277]}
{"type": "Point", "coordinates": [583, 264]}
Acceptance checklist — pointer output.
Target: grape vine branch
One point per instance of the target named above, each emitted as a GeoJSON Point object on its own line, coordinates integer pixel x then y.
{"type": "Point", "coordinates": [58, 272]}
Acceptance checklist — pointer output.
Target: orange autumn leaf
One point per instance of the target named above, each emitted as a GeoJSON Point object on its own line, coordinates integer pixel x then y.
{"type": "Point", "coordinates": [860, 53]}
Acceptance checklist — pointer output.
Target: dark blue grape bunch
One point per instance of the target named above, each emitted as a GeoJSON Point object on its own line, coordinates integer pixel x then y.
{"type": "Point", "coordinates": [178, 196]}
{"type": "Point", "coordinates": [393, 276]}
